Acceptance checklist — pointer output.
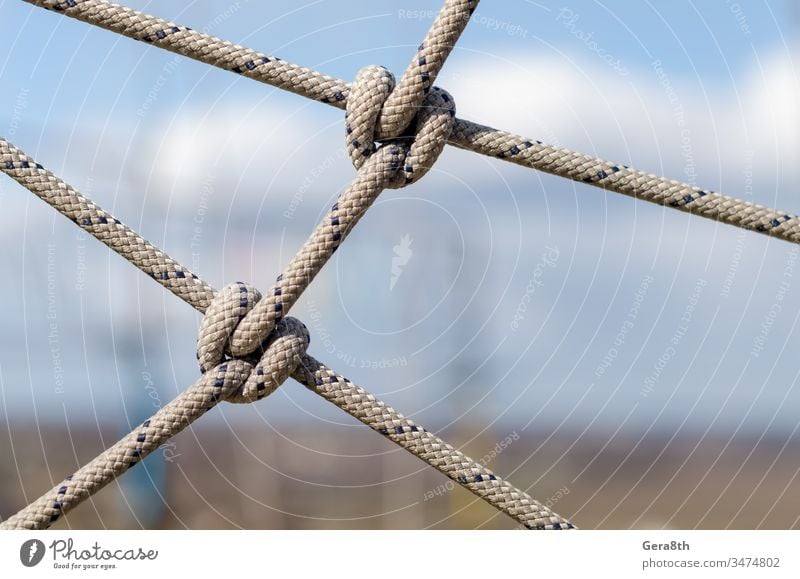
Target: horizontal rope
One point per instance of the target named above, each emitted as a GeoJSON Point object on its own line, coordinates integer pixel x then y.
{"type": "Point", "coordinates": [220, 382]}
{"type": "Point", "coordinates": [466, 134]}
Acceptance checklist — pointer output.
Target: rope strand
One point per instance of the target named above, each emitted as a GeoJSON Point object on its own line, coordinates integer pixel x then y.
{"type": "Point", "coordinates": [226, 380]}
{"type": "Point", "coordinates": [265, 346]}
{"type": "Point", "coordinates": [517, 149]}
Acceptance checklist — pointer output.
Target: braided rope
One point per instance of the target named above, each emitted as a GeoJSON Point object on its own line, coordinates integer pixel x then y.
{"type": "Point", "coordinates": [418, 79]}
{"type": "Point", "coordinates": [466, 134]}
{"type": "Point", "coordinates": [174, 417]}
{"type": "Point", "coordinates": [478, 479]}
{"type": "Point", "coordinates": [239, 320]}
{"type": "Point", "coordinates": [233, 380]}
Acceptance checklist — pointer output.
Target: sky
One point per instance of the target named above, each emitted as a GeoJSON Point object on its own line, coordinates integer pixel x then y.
{"type": "Point", "coordinates": [519, 299]}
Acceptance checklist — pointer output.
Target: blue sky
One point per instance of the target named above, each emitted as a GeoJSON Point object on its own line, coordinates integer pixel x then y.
{"type": "Point", "coordinates": [229, 176]}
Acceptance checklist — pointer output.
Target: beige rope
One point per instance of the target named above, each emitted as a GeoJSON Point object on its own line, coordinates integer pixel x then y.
{"type": "Point", "coordinates": [392, 165]}
{"type": "Point", "coordinates": [236, 380]}
{"type": "Point", "coordinates": [478, 479]}
{"type": "Point", "coordinates": [266, 346]}
{"type": "Point", "coordinates": [466, 134]}
{"type": "Point", "coordinates": [402, 103]}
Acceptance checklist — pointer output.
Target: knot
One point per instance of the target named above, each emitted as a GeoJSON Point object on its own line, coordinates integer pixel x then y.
{"type": "Point", "coordinates": [268, 366]}
{"type": "Point", "coordinates": [423, 140]}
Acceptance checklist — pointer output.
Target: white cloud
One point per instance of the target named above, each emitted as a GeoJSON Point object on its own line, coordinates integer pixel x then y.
{"type": "Point", "coordinates": [686, 127]}
{"type": "Point", "coordinates": [248, 150]}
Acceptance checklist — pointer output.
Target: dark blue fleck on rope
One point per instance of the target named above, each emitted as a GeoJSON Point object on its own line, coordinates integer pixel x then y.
{"type": "Point", "coordinates": [138, 450]}
{"type": "Point", "coordinates": [219, 383]}
{"type": "Point", "coordinates": [774, 223]}
{"type": "Point", "coordinates": [69, 4]}
{"type": "Point", "coordinates": [602, 174]}
{"type": "Point", "coordinates": [516, 149]}
{"type": "Point", "coordinates": [243, 301]}
{"type": "Point", "coordinates": [337, 235]}
{"type": "Point", "coordinates": [688, 198]}
{"type": "Point", "coordinates": [58, 502]}
{"type": "Point", "coordinates": [162, 34]}
{"type": "Point", "coordinates": [395, 162]}
{"type": "Point", "coordinates": [251, 64]}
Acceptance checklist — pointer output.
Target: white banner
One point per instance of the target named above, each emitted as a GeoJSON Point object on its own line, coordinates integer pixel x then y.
{"type": "Point", "coordinates": [229, 554]}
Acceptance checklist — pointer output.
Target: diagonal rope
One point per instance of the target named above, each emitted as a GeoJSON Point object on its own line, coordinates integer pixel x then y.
{"type": "Point", "coordinates": [463, 470]}
{"type": "Point", "coordinates": [170, 420]}
{"type": "Point", "coordinates": [485, 140]}
{"type": "Point", "coordinates": [224, 380]}
{"type": "Point", "coordinates": [418, 79]}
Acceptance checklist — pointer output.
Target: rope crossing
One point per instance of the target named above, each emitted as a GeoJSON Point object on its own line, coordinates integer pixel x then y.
{"type": "Point", "coordinates": [421, 73]}
{"type": "Point", "coordinates": [247, 346]}
{"type": "Point", "coordinates": [229, 380]}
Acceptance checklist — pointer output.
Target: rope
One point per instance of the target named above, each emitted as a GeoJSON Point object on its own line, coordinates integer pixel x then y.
{"type": "Point", "coordinates": [480, 480]}
{"type": "Point", "coordinates": [402, 103]}
{"type": "Point", "coordinates": [247, 347]}
{"type": "Point", "coordinates": [236, 380]}
{"type": "Point", "coordinates": [265, 346]}
{"type": "Point", "coordinates": [418, 78]}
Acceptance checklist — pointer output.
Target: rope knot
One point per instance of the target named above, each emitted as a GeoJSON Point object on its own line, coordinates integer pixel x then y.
{"type": "Point", "coordinates": [267, 366]}
{"type": "Point", "coordinates": [421, 142]}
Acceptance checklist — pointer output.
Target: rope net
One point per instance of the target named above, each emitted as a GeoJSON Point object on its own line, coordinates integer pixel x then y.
{"type": "Point", "coordinates": [247, 345]}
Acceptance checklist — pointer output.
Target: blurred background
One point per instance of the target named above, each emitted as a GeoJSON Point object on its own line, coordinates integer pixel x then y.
{"type": "Point", "coordinates": [640, 360]}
